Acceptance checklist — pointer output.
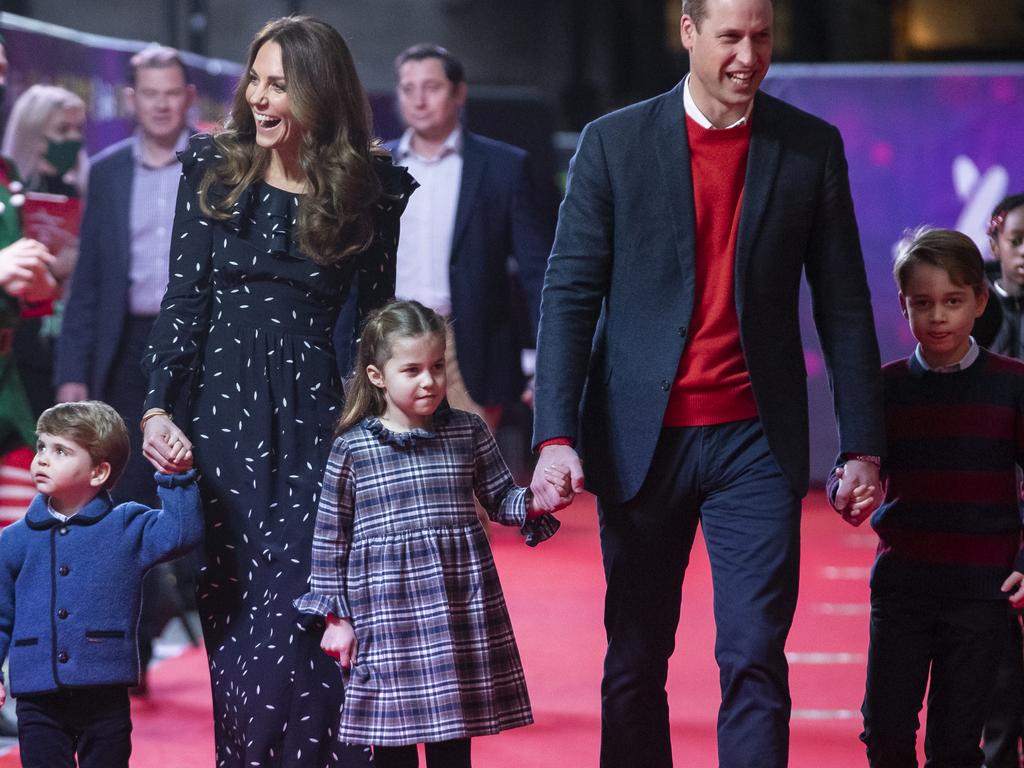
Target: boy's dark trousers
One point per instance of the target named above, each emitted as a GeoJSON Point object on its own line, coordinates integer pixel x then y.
{"type": "Point", "coordinates": [1005, 722]}
{"type": "Point", "coordinates": [960, 642]}
{"type": "Point", "coordinates": [93, 722]}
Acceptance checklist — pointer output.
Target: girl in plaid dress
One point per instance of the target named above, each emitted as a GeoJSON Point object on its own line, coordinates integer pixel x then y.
{"type": "Point", "coordinates": [402, 570]}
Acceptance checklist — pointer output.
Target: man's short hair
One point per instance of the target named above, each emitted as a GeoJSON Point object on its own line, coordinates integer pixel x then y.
{"type": "Point", "coordinates": [452, 66]}
{"type": "Point", "coordinates": [155, 57]}
{"type": "Point", "coordinates": [946, 249]}
{"type": "Point", "coordinates": [96, 427]}
{"type": "Point", "coordinates": [696, 10]}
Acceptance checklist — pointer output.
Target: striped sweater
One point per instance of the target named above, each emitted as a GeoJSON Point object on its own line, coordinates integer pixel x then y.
{"type": "Point", "coordinates": [950, 523]}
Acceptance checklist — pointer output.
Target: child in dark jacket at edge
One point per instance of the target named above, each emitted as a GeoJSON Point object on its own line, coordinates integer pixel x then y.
{"type": "Point", "coordinates": [1001, 328]}
{"type": "Point", "coordinates": [70, 587]}
{"type": "Point", "coordinates": [949, 552]}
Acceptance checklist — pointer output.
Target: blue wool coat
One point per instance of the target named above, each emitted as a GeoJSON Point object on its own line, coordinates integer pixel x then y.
{"type": "Point", "coordinates": [70, 593]}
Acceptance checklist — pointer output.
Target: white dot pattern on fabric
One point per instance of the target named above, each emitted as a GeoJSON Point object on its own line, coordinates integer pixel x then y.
{"type": "Point", "coordinates": [243, 345]}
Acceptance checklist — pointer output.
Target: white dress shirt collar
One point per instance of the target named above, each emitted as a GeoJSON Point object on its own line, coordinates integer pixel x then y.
{"type": "Point", "coordinates": [694, 113]}
{"type": "Point", "coordinates": [452, 144]}
{"type": "Point", "coordinates": [965, 362]}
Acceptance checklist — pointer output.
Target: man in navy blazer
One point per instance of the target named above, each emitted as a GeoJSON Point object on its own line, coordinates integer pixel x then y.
{"type": "Point", "coordinates": [475, 211]}
{"type": "Point", "coordinates": [670, 357]}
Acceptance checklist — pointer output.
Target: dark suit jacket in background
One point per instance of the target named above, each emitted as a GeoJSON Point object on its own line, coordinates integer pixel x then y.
{"type": "Point", "coordinates": [95, 314]}
{"type": "Point", "coordinates": [498, 217]}
{"type": "Point", "coordinates": [619, 290]}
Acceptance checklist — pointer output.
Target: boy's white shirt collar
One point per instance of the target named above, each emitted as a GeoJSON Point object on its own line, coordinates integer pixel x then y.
{"type": "Point", "coordinates": [965, 362]}
{"type": "Point", "coordinates": [49, 506]}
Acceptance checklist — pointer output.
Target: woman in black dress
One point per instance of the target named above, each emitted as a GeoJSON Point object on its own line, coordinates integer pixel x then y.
{"type": "Point", "coordinates": [277, 216]}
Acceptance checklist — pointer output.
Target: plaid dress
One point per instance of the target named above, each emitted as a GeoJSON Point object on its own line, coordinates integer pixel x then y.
{"type": "Point", "coordinates": [399, 550]}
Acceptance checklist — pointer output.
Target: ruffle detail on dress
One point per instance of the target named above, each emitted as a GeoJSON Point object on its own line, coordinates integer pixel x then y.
{"type": "Point", "coordinates": [397, 184]}
{"type": "Point", "coordinates": [263, 215]}
{"type": "Point", "coordinates": [314, 605]}
{"type": "Point", "coordinates": [200, 153]}
{"type": "Point", "coordinates": [540, 529]}
{"type": "Point", "coordinates": [407, 439]}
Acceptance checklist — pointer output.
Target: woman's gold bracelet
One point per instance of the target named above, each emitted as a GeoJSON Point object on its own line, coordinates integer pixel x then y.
{"type": "Point", "coordinates": [150, 414]}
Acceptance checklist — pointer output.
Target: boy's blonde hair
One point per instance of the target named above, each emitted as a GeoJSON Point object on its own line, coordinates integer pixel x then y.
{"type": "Point", "coordinates": [96, 427]}
{"type": "Point", "coordinates": [399, 319]}
{"type": "Point", "coordinates": [946, 249]}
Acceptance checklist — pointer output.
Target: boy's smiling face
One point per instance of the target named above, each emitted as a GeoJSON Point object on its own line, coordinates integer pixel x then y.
{"type": "Point", "coordinates": [63, 470]}
{"type": "Point", "coordinates": [941, 313]}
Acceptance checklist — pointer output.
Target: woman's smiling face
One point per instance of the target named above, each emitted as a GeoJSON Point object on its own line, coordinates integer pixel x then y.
{"type": "Point", "coordinates": [277, 129]}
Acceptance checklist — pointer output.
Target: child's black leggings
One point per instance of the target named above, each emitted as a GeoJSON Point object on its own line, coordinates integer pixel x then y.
{"type": "Point", "coordinates": [440, 754]}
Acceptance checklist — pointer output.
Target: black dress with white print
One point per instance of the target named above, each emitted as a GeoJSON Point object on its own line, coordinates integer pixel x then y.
{"type": "Point", "coordinates": [241, 356]}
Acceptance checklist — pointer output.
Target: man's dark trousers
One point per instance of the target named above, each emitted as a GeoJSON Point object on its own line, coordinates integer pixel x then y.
{"type": "Point", "coordinates": [725, 478]}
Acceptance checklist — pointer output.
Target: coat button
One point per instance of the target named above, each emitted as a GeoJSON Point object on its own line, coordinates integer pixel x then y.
{"type": "Point", "coordinates": [666, 385]}
{"type": "Point", "coordinates": [682, 331]}
{"type": "Point", "coordinates": [64, 570]}
{"type": "Point", "coordinates": [63, 657]}
{"type": "Point", "coordinates": [63, 530]}
{"type": "Point", "coordinates": [62, 613]}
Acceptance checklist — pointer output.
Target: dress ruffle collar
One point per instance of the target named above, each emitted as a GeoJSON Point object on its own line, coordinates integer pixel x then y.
{"type": "Point", "coordinates": [265, 215]}
{"type": "Point", "coordinates": [408, 439]}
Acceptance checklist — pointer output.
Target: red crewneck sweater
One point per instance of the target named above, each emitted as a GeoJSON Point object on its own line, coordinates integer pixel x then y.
{"type": "Point", "coordinates": [712, 385]}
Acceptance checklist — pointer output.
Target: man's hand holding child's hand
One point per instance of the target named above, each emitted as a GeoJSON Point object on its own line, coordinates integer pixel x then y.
{"type": "Point", "coordinates": [559, 477]}
{"type": "Point", "coordinates": [1014, 585]}
{"type": "Point", "coordinates": [860, 503]}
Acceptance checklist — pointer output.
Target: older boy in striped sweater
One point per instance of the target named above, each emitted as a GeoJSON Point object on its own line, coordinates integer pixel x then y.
{"type": "Point", "coordinates": [949, 530]}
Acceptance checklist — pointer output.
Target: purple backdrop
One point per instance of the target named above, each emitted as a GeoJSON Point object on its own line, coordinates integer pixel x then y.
{"type": "Point", "coordinates": [926, 144]}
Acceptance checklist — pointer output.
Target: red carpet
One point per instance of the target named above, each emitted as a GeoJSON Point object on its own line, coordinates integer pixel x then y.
{"type": "Point", "coordinates": [554, 594]}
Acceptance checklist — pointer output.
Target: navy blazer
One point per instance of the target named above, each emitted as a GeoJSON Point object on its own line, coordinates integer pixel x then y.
{"type": "Point", "coordinates": [498, 217]}
{"type": "Point", "coordinates": [96, 309]}
{"type": "Point", "coordinates": [619, 290]}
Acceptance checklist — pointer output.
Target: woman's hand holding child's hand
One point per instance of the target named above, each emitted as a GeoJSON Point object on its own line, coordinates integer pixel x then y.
{"type": "Point", "coordinates": [339, 641]}
{"type": "Point", "coordinates": [166, 447]}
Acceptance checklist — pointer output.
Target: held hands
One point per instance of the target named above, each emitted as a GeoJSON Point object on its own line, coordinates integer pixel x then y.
{"type": "Point", "coordinates": [858, 495]}
{"type": "Point", "coordinates": [1014, 585]}
{"type": "Point", "coordinates": [25, 271]}
{"type": "Point", "coordinates": [557, 478]}
{"type": "Point", "coordinates": [165, 446]}
{"type": "Point", "coordinates": [560, 478]}
{"type": "Point", "coordinates": [339, 641]}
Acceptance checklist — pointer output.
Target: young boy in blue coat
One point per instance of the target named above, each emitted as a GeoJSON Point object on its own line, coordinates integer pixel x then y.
{"type": "Point", "coordinates": [70, 587]}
